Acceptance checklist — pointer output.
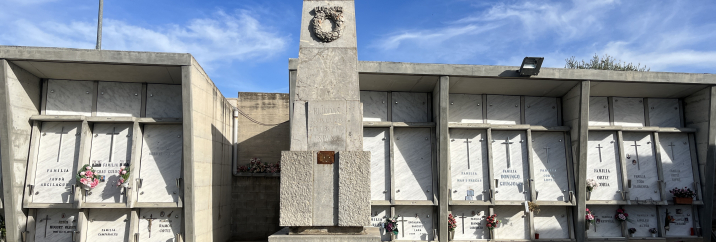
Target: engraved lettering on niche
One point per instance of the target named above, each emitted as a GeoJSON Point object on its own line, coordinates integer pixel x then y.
{"type": "Point", "coordinates": [165, 226]}
{"type": "Point", "coordinates": [643, 220]}
{"type": "Point", "coordinates": [376, 222]}
{"type": "Point", "coordinates": [327, 124]}
{"type": "Point", "coordinates": [470, 173]}
{"type": "Point", "coordinates": [108, 169]}
{"type": "Point", "coordinates": [640, 181]}
{"type": "Point", "coordinates": [512, 177]}
{"type": "Point", "coordinates": [603, 180]}
{"type": "Point", "coordinates": [416, 228]}
{"type": "Point", "coordinates": [108, 232]}
{"type": "Point", "coordinates": [476, 223]}
{"type": "Point", "coordinates": [58, 178]}
{"type": "Point", "coordinates": [62, 227]}
{"type": "Point", "coordinates": [547, 174]}
{"type": "Point", "coordinates": [675, 174]}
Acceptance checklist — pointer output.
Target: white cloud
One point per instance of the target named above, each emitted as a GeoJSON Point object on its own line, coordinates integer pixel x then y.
{"type": "Point", "coordinates": [223, 38]}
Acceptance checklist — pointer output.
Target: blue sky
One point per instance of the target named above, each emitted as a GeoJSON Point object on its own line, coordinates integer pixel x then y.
{"type": "Point", "coordinates": [244, 45]}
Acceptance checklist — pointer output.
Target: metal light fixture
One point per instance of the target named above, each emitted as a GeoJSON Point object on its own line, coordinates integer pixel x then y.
{"type": "Point", "coordinates": [530, 66]}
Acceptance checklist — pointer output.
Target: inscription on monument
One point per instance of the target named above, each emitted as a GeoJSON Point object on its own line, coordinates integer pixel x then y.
{"type": "Point", "coordinates": [53, 225]}
{"type": "Point", "coordinates": [111, 149]}
{"type": "Point", "coordinates": [58, 152]}
{"type": "Point", "coordinates": [108, 225]}
{"type": "Point", "coordinates": [470, 221]}
{"type": "Point", "coordinates": [676, 160]}
{"type": "Point", "coordinates": [326, 125]}
{"type": "Point", "coordinates": [642, 219]}
{"type": "Point", "coordinates": [550, 166]}
{"type": "Point", "coordinates": [641, 169]}
{"type": "Point", "coordinates": [509, 157]}
{"type": "Point", "coordinates": [469, 167]}
{"type": "Point", "coordinates": [602, 166]}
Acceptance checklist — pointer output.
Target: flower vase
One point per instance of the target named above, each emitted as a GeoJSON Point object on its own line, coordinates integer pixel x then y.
{"type": "Point", "coordinates": [87, 188]}
{"type": "Point", "coordinates": [586, 226]}
{"type": "Point", "coordinates": [451, 235]}
{"type": "Point", "coordinates": [393, 236]}
{"type": "Point", "coordinates": [653, 235]}
{"type": "Point", "coordinates": [125, 185]}
{"type": "Point", "coordinates": [536, 236]}
{"type": "Point", "coordinates": [589, 195]}
{"type": "Point", "coordinates": [492, 234]}
{"type": "Point", "coordinates": [683, 200]}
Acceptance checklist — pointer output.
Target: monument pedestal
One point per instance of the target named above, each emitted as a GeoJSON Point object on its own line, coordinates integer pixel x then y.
{"type": "Point", "coordinates": [368, 234]}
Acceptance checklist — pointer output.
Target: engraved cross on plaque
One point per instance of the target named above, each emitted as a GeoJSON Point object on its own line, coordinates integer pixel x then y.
{"type": "Point", "coordinates": [507, 143]}
{"type": "Point", "coordinates": [47, 220]}
{"type": "Point", "coordinates": [467, 141]}
{"type": "Point", "coordinates": [547, 151]}
{"type": "Point", "coordinates": [673, 158]}
{"type": "Point", "coordinates": [402, 224]}
{"type": "Point", "coordinates": [463, 223]}
{"type": "Point", "coordinates": [599, 147]}
{"type": "Point", "coordinates": [636, 152]}
{"type": "Point", "coordinates": [111, 143]}
{"type": "Point", "coordinates": [149, 227]}
{"type": "Point", "coordinates": [59, 149]}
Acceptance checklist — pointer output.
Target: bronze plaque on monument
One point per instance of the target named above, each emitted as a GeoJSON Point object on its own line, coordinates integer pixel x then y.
{"type": "Point", "coordinates": [326, 157]}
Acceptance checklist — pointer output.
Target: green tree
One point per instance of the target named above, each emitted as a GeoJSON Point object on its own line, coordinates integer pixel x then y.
{"type": "Point", "coordinates": [604, 63]}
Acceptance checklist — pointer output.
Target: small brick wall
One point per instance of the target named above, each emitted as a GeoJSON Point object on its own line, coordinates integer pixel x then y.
{"type": "Point", "coordinates": [255, 208]}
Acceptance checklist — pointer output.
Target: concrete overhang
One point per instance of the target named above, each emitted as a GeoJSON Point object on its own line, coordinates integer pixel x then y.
{"type": "Point", "coordinates": [104, 65]}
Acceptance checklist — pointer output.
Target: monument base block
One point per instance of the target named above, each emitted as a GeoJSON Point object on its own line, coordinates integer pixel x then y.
{"type": "Point", "coordinates": [326, 234]}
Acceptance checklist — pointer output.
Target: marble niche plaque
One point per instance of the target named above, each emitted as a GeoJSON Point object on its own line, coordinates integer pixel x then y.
{"type": "Point", "coordinates": [160, 165]}
{"type": "Point", "coordinates": [375, 106]}
{"type": "Point", "coordinates": [327, 125]}
{"type": "Point", "coordinates": [641, 170]}
{"type": "Point", "coordinates": [119, 99]}
{"type": "Point", "coordinates": [55, 225]}
{"type": "Point", "coordinates": [552, 222]}
{"type": "Point", "coordinates": [664, 112]}
{"type": "Point", "coordinates": [681, 220]}
{"type": "Point", "coordinates": [159, 224]}
{"type": "Point", "coordinates": [642, 218]}
{"type": "Point", "coordinates": [470, 221]}
{"type": "Point", "coordinates": [377, 141]}
{"type": "Point", "coordinates": [164, 101]}
{"type": "Point", "coordinates": [111, 149]}
{"type": "Point", "coordinates": [605, 226]}
{"type": "Point", "coordinates": [415, 222]}
{"type": "Point", "coordinates": [603, 166]}
{"type": "Point", "coordinates": [598, 111]}
{"type": "Point", "coordinates": [465, 108]}
{"type": "Point", "coordinates": [69, 97]}
{"type": "Point", "coordinates": [56, 162]}
{"type": "Point", "coordinates": [413, 164]}
{"type": "Point", "coordinates": [541, 111]}
{"type": "Point", "coordinates": [676, 160]}
{"type": "Point", "coordinates": [108, 225]}
{"type": "Point", "coordinates": [628, 112]}
{"type": "Point", "coordinates": [514, 223]}
{"type": "Point", "coordinates": [550, 166]}
{"type": "Point", "coordinates": [509, 155]}
{"type": "Point", "coordinates": [468, 165]}
{"type": "Point", "coordinates": [409, 107]}
{"type": "Point", "coordinates": [378, 215]}
{"type": "Point", "coordinates": [503, 109]}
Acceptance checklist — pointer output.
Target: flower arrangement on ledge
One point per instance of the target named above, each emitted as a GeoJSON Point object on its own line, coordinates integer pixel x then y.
{"type": "Point", "coordinates": [87, 177]}
{"type": "Point", "coordinates": [123, 176]}
{"type": "Point", "coordinates": [391, 225]}
{"type": "Point", "coordinates": [452, 223]}
{"type": "Point", "coordinates": [256, 166]}
{"type": "Point", "coordinates": [492, 222]}
{"type": "Point", "coordinates": [591, 184]}
{"type": "Point", "coordinates": [621, 215]}
{"type": "Point", "coordinates": [632, 231]}
{"type": "Point", "coordinates": [653, 232]}
{"type": "Point", "coordinates": [683, 196]}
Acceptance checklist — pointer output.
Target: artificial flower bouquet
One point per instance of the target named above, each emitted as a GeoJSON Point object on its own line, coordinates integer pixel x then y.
{"type": "Point", "coordinates": [452, 223]}
{"type": "Point", "coordinates": [123, 176]}
{"type": "Point", "coordinates": [621, 215]}
{"type": "Point", "coordinates": [87, 177]}
{"type": "Point", "coordinates": [683, 196]}
{"type": "Point", "coordinates": [391, 225]}
{"type": "Point", "coordinates": [492, 222]}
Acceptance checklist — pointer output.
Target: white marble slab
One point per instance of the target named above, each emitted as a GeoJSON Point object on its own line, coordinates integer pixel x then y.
{"type": "Point", "coordinates": [550, 166]}
{"type": "Point", "coordinates": [69, 97]}
{"type": "Point", "coordinates": [377, 141]}
{"type": "Point", "coordinates": [375, 106]}
{"type": "Point", "coordinates": [413, 164]}
{"type": "Point", "coordinates": [598, 111]}
{"type": "Point", "coordinates": [378, 215]}
{"type": "Point", "coordinates": [503, 109]}
{"type": "Point", "coordinates": [465, 108]}
{"type": "Point", "coordinates": [57, 157]}
{"type": "Point", "coordinates": [552, 222]}
{"type": "Point", "coordinates": [541, 111]}
{"type": "Point", "coordinates": [603, 166]}
{"type": "Point", "coordinates": [664, 112]}
{"type": "Point", "coordinates": [628, 112]}
{"type": "Point", "coordinates": [55, 225]}
{"type": "Point", "coordinates": [164, 101]}
{"type": "Point", "coordinates": [511, 174]}
{"type": "Point", "coordinates": [111, 149]}
{"type": "Point", "coordinates": [605, 225]}
{"type": "Point", "coordinates": [108, 225]}
{"type": "Point", "coordinates": [165, 224]}
{"type": "Point", "coordinates": [410, 107]}
{"type": "Point", "coordinates": [641, 166]}
{"type": "Point", "coordinates": [642, 218]}
{"type": "Point", "coordinates": [471, 223]}
{"type": "Point", "coordinates": [119, 99]}
{"type": "Point", "coordinates": [415, 222]}
{"type": "Point", "coordinates": [676, 160]}
{"type": "Point", "coordinates": [160, 164]}
{"type": "Point", "coordinates": [682, 220]}
{"type": "Point", "coordinates": [514, 223]}
{"type": "Point", "coordinates": [468, 165]}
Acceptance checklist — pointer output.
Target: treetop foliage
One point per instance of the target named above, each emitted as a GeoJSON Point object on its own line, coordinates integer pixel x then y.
{"type": "Point", "coordinates": [604, 63]}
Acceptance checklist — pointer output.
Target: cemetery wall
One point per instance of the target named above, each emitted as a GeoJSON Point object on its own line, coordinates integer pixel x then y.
{"type": "Point", "coordinates": [255, 211]}
{"type": "Point", "coordinates": [210, 129]}
{"type": "Point", "coordinates": [263, 126]}
{"type": "Point", "coordinates": [21, 91]}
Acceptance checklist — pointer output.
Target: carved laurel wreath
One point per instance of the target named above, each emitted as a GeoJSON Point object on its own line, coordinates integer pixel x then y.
{"type": "Point", "coordinates": [334, 13]}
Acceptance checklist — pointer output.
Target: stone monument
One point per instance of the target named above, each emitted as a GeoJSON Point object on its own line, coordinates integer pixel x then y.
{"type": "Point", "coordinates": [325, 178]}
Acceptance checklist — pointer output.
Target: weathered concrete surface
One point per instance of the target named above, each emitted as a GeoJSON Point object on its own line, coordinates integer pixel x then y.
{"type": "Point", "coordinates": [20, 93]}
{"type": "Point", "coordinates": [91, 55]}
{"type": "Point", "coordinates": [327, 74]}
{"type": "Point", "coordinates": [263, 130]}
{"type": "Point", "coordinates": [348, 36]}
{"type": "Point", "coordinates": [296, 188]}
{"type": "Point", "coordinates": [283, 235]}
{"type": "Point", "coordinates": [299, 126]}
{"type": "Point", "coordinates": [354, 188]}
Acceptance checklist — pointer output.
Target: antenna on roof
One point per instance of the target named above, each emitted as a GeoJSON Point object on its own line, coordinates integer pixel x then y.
{"type": "Point", "coordinates": [99, 26]}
